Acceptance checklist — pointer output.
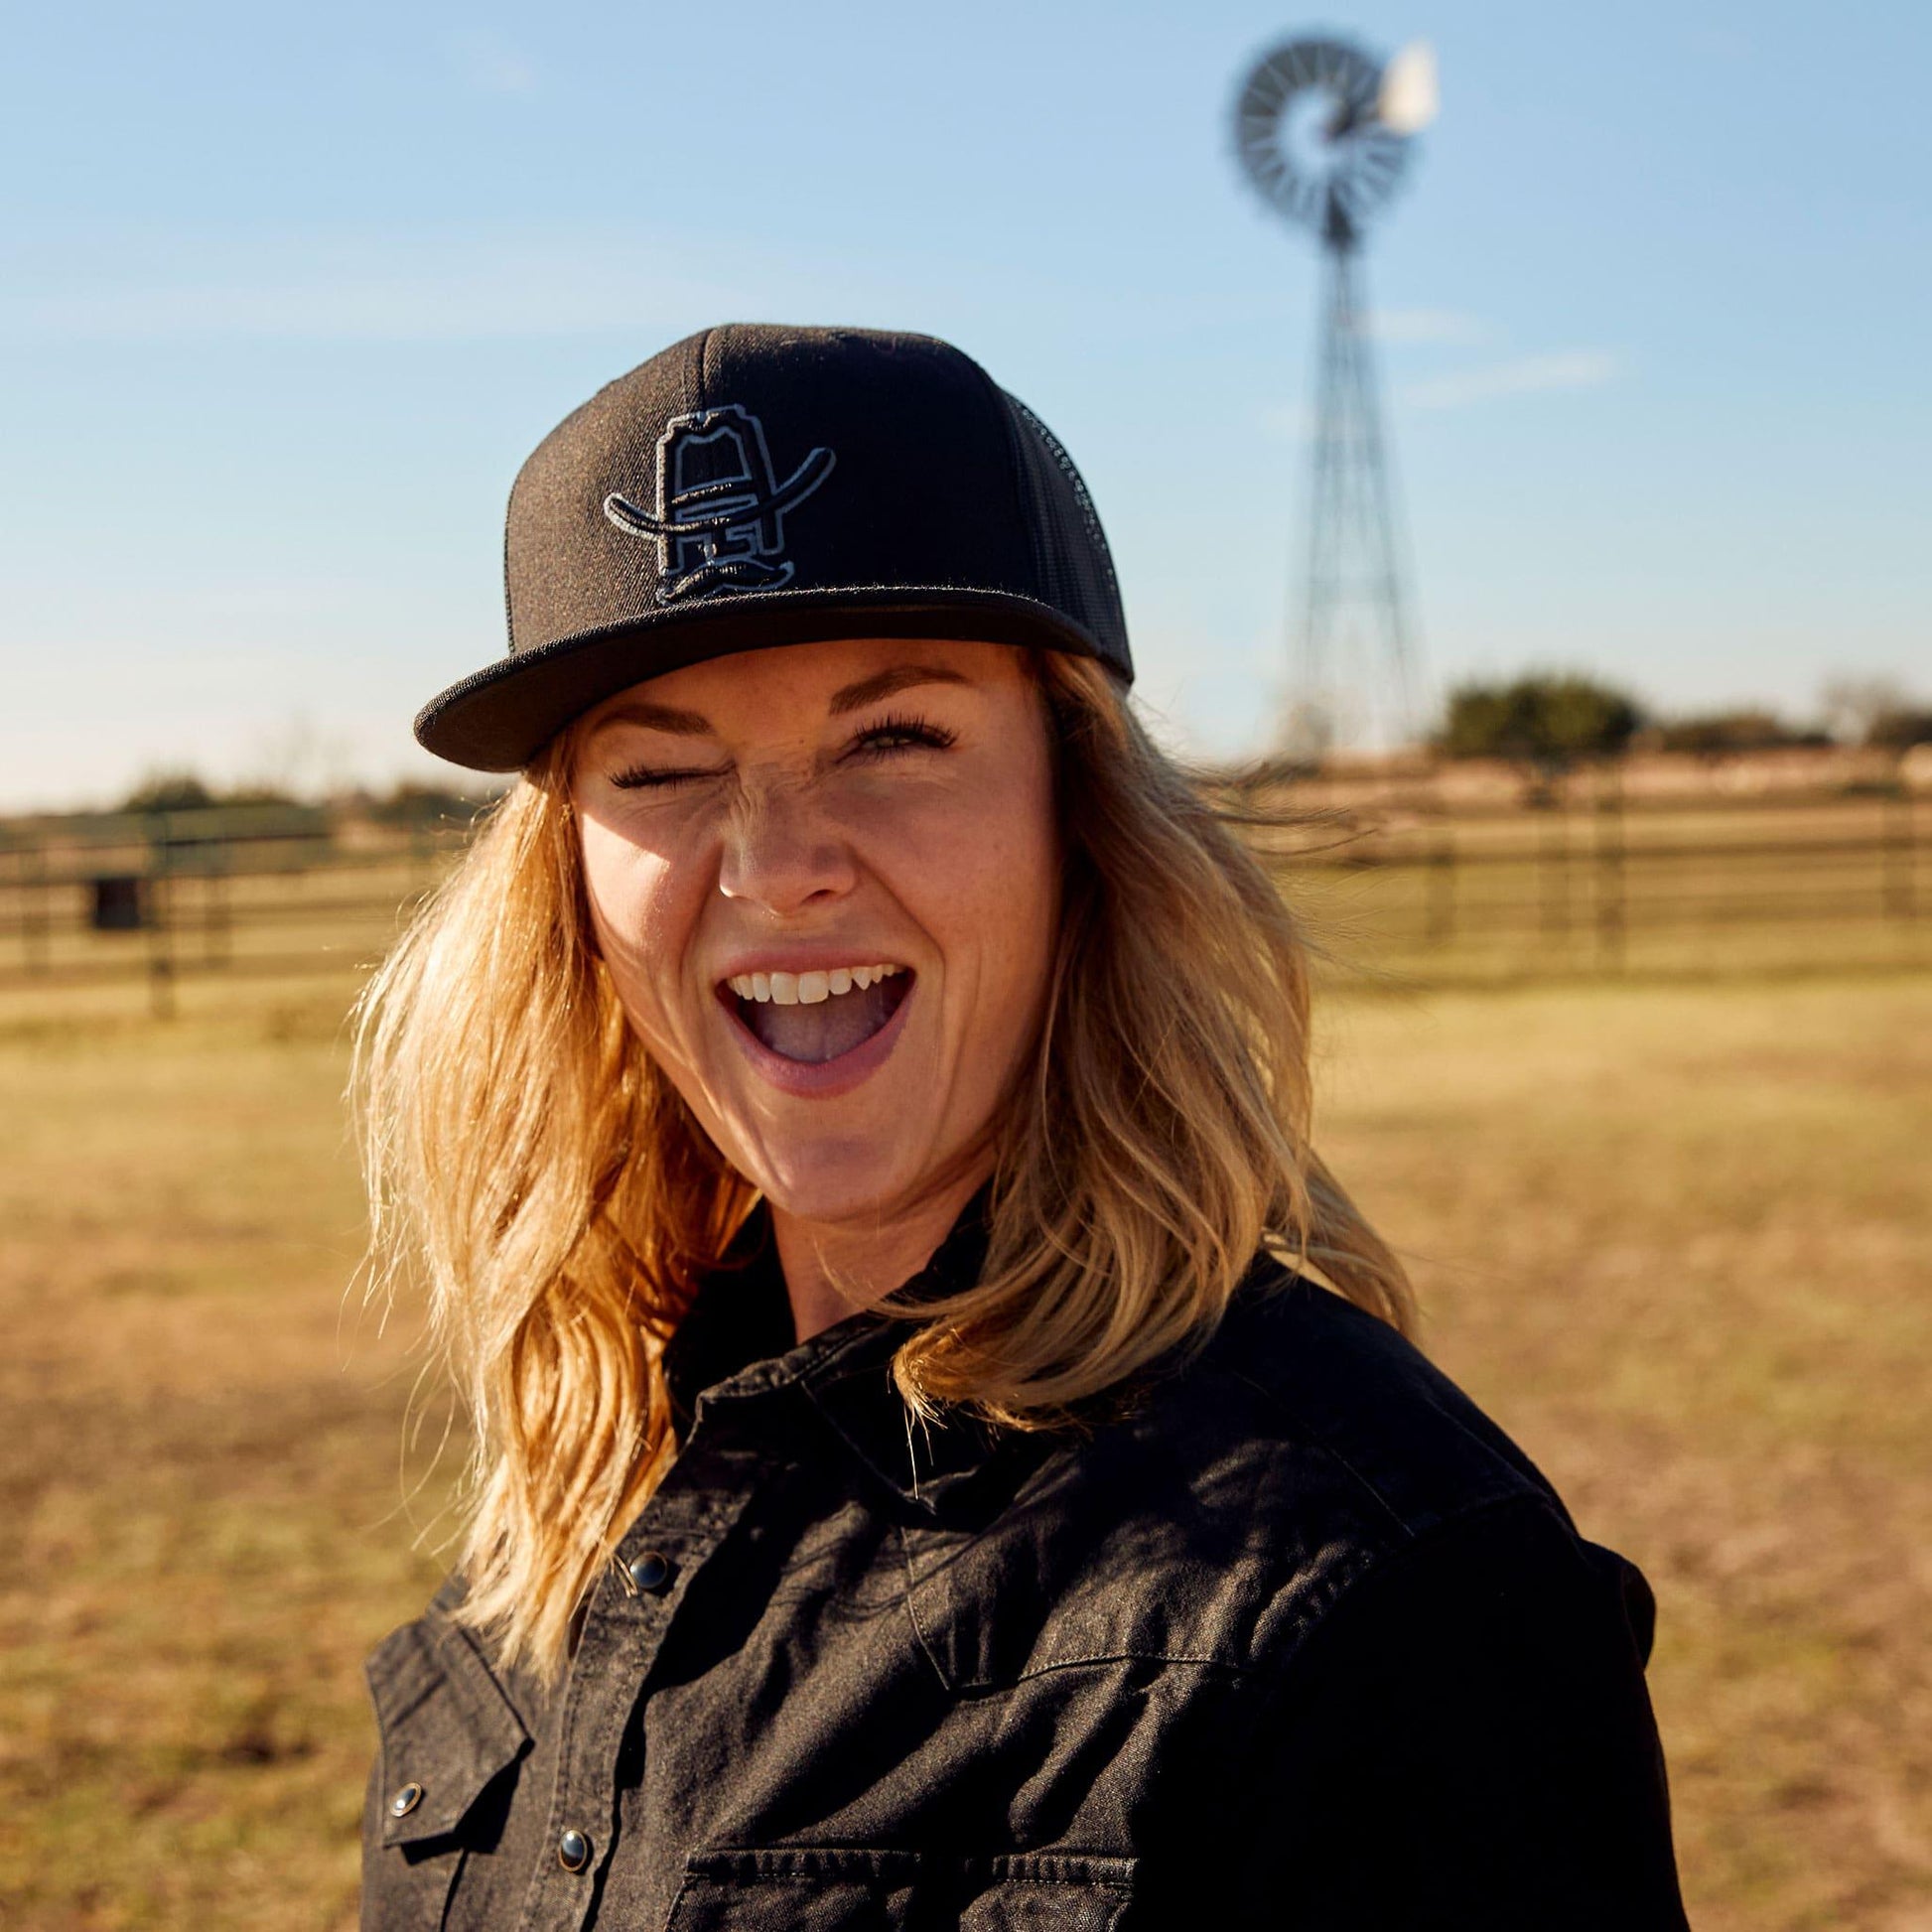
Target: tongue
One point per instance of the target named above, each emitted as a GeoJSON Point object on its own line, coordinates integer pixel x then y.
{"type": "Point", "coordinates": [830, 1027]}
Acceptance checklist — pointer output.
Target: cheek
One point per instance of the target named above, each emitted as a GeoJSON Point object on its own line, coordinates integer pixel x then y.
{"type": "Point", "coordinates": [1022, 920]}
{"type": "Point", "coordinates": [1030, 860]}
{"type": "Point", "coordinates": [983, 878]}
{"type": "Point", "coordinates": [1014, 898]}
{"type": "Point", "coordinates": [640, 926]}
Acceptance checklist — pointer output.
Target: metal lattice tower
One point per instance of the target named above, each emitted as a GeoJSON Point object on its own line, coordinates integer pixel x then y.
{"type": "Point", "coordinates": [1324, 133]}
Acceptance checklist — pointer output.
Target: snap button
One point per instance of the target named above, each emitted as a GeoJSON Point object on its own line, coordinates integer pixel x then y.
{"type": "Point", "coordinates": [653, 1571]}
{"type": "Point", "coordinates": [405, 1801]}
{"type": "Point", "coordinates": [572, 1851]}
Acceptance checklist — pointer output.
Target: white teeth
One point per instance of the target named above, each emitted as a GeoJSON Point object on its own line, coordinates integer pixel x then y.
{"type": "Point", "coordinates": [808, 989]}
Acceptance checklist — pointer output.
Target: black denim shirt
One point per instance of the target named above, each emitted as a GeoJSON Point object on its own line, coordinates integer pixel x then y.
{"type": "Point", "coordinates": [1295, 1638]}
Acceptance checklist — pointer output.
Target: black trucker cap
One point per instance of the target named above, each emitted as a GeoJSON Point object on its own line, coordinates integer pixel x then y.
{"type": "Point", "coordinates": [757, 484]}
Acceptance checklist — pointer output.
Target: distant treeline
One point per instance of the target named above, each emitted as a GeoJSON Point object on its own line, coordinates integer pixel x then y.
{"type": "Point", "coordinates": [405, 804]}
{"type": "Point", "coordinates": [1548, 718]}
{"type": "Point", "coordinates": [1557, 718]}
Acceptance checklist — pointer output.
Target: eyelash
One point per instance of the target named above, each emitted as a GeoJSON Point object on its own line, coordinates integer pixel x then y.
{"type": "Point", "coordinates": [646, 777]}
{"type": "Point", "coordinates": [911, 734]}
{"type": "Point", "coordinates": [881, 740]}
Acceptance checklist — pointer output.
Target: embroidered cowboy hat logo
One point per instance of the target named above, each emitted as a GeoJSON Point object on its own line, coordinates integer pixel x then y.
{"type": "Point", "coordinates": [718, 524]}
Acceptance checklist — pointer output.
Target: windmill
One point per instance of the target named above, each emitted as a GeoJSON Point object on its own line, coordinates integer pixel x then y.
{"type": "Point", "coordinates": [1324, 133]}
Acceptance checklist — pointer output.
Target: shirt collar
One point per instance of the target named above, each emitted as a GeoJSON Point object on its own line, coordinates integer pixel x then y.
{"type": "Point", "coordinates": [738, 1345]}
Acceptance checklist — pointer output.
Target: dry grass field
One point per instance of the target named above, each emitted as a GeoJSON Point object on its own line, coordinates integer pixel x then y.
{"type": "Point", "coordinates": [1676, 1237]}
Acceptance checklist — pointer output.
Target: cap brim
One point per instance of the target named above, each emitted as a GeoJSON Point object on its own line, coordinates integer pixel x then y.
{"type": "Point", "coordinates": [499, 719]}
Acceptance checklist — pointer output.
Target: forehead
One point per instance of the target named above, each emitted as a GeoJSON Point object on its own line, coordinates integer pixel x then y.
{"type": "Point", "coordinates": [790, 683]}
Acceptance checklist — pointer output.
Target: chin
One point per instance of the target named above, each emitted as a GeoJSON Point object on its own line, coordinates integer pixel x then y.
{"type": "Point", "coordinates": [831, 1178]}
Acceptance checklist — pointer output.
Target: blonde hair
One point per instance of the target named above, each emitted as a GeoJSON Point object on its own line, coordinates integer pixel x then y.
{"type": "Point", "coordinates": [561, 1203]}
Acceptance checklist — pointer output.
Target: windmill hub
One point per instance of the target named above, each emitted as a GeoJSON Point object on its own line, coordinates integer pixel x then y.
{"type": "Point", "coordinates": [1309, 133]}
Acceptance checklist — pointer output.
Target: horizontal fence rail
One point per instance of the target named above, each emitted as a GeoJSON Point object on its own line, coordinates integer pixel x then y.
{"type": "Point", "coordinates": [1599, 886]}
{"type": "Point", "coordinates": [262, 891]}
{"type": "Point", "coordinates": [1405, 891]}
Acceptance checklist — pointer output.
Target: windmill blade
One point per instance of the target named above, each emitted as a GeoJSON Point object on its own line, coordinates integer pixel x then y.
{"type": "Point", "coordinates": [1408, 97]}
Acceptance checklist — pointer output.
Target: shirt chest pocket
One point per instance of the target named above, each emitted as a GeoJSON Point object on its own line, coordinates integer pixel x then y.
{"type": "Point", "coordinates": [853, 1890]}
{"type": "Point", "coordinates": [449, 1734]}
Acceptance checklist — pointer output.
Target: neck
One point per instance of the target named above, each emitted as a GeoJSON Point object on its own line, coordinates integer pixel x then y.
{"type": "Point", "coordinates": [835, 1268]}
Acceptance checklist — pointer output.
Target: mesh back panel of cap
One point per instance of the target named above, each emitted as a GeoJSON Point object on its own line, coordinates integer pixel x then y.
{"type": "Point", "coordinates": [1075, 568]}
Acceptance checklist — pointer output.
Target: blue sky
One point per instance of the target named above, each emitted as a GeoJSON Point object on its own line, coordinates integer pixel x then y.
{"type": "Point", "coordinates": [286, 294]}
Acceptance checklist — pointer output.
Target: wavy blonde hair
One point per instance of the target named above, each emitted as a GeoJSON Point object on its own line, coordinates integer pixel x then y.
{"type": "Point", "coordinates": [560, 1203]}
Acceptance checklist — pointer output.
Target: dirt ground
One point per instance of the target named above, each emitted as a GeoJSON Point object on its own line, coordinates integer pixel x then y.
{"type": "Point", "coordinates": [1675, 1238]}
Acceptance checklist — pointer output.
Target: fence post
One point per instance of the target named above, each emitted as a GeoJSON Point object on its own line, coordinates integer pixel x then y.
{"type": "Point", "coordinates": [1553, 867]}
{"type": "Point", "coordinates": [36, 915]}
{"type": "Point", "coordinates": [1611, 883]}
{"type": "Point", "coordinates": [1441, 914]}
{"type": "Point", "coordinates": [161, 936]}
{"type": "Point", "coordinates": [1900, 886]}
{"type": "Point", "coordinates": [217, 929]}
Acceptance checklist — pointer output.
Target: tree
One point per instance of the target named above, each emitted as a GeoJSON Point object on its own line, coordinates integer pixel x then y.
{"type": "Point", "coordinates": [183, 792]}
{"type": "Point", "coordinates": [410, 802]}
{"type": "Point", "coordinates": [1544, 719]}
{"type": "Point", "coordinates": [1745, 729]}
{"type": "Point", "coordinates": [169, 791]}
{"type": "Point", "coordinates": [1901, 730]}
{"type": "Point", "coordinates": [1877, 711]}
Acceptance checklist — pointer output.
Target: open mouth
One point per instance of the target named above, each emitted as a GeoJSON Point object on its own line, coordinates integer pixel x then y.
{"type": "Point", "coordinates": [817, 1017]}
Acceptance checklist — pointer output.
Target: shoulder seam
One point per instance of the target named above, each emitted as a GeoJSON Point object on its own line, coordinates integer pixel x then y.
{"type": "Point", "coordinates": [1279, 1672]}
{"type": "Point", "coordinates": [1521, 1481]}
{"type": "Point", "coordinates": [1323, 1447]}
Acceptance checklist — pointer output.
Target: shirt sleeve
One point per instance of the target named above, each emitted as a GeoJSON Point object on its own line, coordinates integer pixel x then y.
{"type": "Point", "coordinates": [1467, 1741]}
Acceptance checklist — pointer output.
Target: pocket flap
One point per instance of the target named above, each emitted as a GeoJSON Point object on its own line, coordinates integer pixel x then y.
{"type": "Point", "coordinates": [447, 1727]}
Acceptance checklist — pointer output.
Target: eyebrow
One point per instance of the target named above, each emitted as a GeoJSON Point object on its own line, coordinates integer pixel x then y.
{"type": "Point", "coordinates": [882, 684]}
{"type": "Point", "coordinates": [658, 718]}
{"type": "Point", "coordinates": [849, 697]}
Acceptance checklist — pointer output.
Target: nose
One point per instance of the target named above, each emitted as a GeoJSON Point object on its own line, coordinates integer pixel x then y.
{"type": "Point", "coordinates": [781, 858]}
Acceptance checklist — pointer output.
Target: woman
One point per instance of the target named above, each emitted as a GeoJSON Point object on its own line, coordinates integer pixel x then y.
{"type": "Point", "coordinates": [946, 1450]}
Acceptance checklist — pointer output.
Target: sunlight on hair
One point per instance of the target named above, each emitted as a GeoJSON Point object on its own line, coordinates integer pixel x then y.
{"type": "Point", "coordinates": [552, 1196]}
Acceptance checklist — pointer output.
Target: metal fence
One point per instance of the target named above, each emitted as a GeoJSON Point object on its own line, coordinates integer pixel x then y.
{"type": "Point", "coordinates": [1594, 886]}
{"type": "Point", "coordinates": [1404, 890]}
{"type": "Point", "coordinates": [238, 890]}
